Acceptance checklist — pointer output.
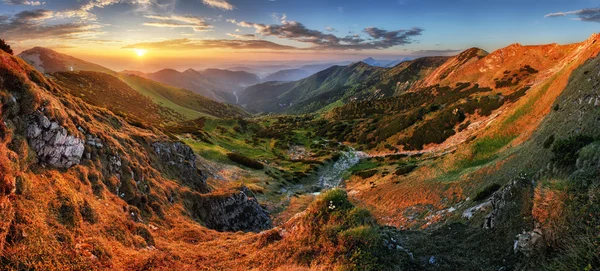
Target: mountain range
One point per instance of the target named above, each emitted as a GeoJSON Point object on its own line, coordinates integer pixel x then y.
{"type": "Point", "coordinates": [478, 161]}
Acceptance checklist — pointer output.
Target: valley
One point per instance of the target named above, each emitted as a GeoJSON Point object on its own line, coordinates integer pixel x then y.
{"type": "Point", "coordinates": [449, 160]}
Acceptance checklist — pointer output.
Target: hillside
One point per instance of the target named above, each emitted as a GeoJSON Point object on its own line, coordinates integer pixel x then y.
{"type": "Point", "coordinates": [190, 80]}
{"type": "Point", "coordinates": [182, 101]}
{"type": "Point", "coordinates": [171, 103]}
{"type": "Point", "coordinates": [48, 61]}
{"type": "Point", "coordinates": [287, 75]}
{"type": "Point", "coordinates": [336, 86]}
{"type": "Point", "coordinates": [479, 161]}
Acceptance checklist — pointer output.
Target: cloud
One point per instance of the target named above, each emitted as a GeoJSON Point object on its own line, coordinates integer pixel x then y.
{"type": "Point", "coordinates": [29, 25]}
{"type": "Point", "coordinates": [24, 2]}
{"type": "Point", "coordinates": [220, 4]}
{"type": "Point", "coordinates": [370, 38]}
{"type": "Point", "coordinates": [84, 11]}
{"type": "Point", "coordinates": [243, 36]}
{"type": "Point", "coordinates": [176, 21]}
{"type": "Point", "coordinates": [189, 44]}
{"type": "Point", "coordinates": [587, 14]}
{"type": "Point", "coordinates": [330, 29]}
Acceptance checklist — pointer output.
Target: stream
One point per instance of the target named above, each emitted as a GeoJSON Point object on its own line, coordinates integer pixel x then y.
{"type": "Point", "coordinates": [237, 99]}
{"type": "Point", "coordinates": [331, 176]}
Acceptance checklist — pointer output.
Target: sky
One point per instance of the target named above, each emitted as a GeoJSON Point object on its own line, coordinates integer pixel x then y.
{"type": "Point", "coordinates": [149, 35]}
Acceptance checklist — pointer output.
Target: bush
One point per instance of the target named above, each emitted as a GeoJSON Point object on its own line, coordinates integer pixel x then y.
{"type": "Point", "coordinates": [5, 47]}
{"type": "Point", "coordinates": [365, 174]}
{"type": "Point", "coordinates": [246, 161]}
{"type": "Point", "coordinates": [566, 151]}
{"type": "Point", "coordinates": [404, 169]}
{"type": "Point", "coordinates": [548, 142]}
{"type": "Point", "coordinates": [486, 192]}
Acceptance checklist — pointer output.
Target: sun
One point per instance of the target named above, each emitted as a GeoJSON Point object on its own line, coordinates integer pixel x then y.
{"type": "Point", "coordinates": [140, 52]}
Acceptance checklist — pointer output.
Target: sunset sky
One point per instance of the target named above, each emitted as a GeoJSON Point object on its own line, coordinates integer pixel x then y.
{"type": "Point", "coordinates": [154, 34]}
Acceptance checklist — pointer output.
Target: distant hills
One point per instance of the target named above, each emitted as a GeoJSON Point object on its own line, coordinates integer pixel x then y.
{"type": "Point", "coordinates": [383, 63]}
{"type": "Point", "coordinates": [287, 75]}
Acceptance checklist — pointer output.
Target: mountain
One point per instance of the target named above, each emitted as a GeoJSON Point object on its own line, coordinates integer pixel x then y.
{"type": "Point", "coordinates": [233, 80]}
{"type": "Point", "coordinates": [383, 63]}
{"type": "Point", "coordinates": [336, 86]}
{"type": "Point", "coordinates": [148, 102]}
{"type": "Point", "coordinates": [476, 161]}
{"type": "Point", "coordinates": [173, 103]}
{"type": "Point", "coordinates": [191, 80]}
{"type": "Point", "coordinates": [215, 84]}
{"type": "Point", "coordinates": [315, 68]}
{"type": "Point", "coordinates": [48, 61]}
{"type": "Point", "coordinates": [218, 85]}
{"type": "Point", "coordinates": [287, 75]}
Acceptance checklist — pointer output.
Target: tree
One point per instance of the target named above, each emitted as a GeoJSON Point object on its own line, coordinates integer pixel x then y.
{"type": "Point", "coordinates": [5, 47]}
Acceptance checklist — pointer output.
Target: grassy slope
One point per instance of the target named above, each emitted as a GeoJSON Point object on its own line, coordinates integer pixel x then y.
{"type": "Point", "coordinates": [182, 101]}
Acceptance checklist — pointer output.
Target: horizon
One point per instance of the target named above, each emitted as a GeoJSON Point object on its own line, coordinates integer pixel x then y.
{"type": "Point", "coordinates": [150, 35]}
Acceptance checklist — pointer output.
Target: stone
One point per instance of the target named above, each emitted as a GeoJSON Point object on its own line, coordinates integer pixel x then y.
{"type": "Point", "coordinates": [52, 143]}
{"type": "Point", "coordinates": [180, 158]}
{"type": "Point", "coordinates": [236, 211]}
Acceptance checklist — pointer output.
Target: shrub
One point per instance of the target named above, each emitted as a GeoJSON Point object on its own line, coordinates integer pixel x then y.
{"type": "Point", "coordinates": [246, 161]}
{"type": "Point", "coordinates": [405, 169]}
{"type": "Point", "coordinates": [566, 150]}
{"type": "Point", "coordinates": [548, 142]}
{"type": "Point", "coordinates": [5, 47]}
{"type": "Point", "coordinates": [366, 173]}
{"type": "Point", "coordinates": [486, 192]}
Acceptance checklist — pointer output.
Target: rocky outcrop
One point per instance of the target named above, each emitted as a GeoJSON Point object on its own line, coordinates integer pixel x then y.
{"type": "Point", "coordinates": [504, 197]}
{"type": "Point", "coordinates": [528, 242]}
{"type": "Point", "coordinates": [52, 143]}
{"type": "Point", "coordinates": [231, 211]}
{"type": "Point", "coordinates": [180, 160]}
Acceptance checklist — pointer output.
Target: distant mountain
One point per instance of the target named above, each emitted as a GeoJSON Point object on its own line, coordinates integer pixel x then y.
{"type": "Point", "coordinates": [233, 80]}
{"type": "Point", "coordinates": [383, 63]}
{"type": "Point", "coordinates": [216, 84]}
{"type": "Point", "coordinates": [287, 75]}
{"type": "Point", "coordinates": [191, 80]}
{"type": "Point", "coordinates": [48, 61]}
{"type": "Point", "coordinates": [315, 68]}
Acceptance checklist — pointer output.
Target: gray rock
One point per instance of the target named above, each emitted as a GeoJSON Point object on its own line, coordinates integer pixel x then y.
{"type": "Point", "coordinates": [230, 212]}
{"type": "Point", "coordinates": [52, 143]}
{"type": "Point", "coordinates": [528, 242]}
{"type": "Point", "coordinates": [179, 158]}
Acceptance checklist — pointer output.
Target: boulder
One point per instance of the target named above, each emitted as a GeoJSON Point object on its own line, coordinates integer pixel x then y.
{"type": "Point", "coordinates": [229, 211]}
{"type": "Point", "coordinates": [52, 143]}
{"type": "Point", "coordinates": [179, 159]}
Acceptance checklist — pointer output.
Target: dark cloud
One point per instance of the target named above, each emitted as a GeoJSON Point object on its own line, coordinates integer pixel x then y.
{"type": "Point", "coordinates": [587, 14]}
{"type": "Point", "coordinates": [28, 25]}
{"type": "Point", "coordinates": [371, 38]}
{"type": "Point", "coordinates": [188, 44]}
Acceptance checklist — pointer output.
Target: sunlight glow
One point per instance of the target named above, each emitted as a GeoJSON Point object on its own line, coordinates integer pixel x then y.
{"type": "Point", "coordinates": [140, 52]}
